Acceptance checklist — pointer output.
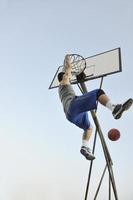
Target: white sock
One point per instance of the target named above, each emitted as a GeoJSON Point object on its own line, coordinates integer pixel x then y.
{"type": "Point", "coordinates": [85, 143]}
{"type": "Point", "coordinates": [110, 106]}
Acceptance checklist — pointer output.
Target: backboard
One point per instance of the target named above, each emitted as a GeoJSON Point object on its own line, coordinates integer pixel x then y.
{"type": "Point", "coordinates": [97, 66]}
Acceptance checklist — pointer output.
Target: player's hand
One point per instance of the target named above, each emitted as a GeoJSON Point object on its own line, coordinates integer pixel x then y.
{"type": "Point", "coordinates": [67, 59]}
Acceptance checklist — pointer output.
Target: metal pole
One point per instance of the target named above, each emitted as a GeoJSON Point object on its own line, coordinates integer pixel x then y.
{"type": "Point", "coordinates": [109, 189]}
{"type": "Point", "coordinates": [93, 150]}
{"type": "Point", "coordinates": [106, 153]}
{"type": "Point", "coordinates": [105, 149]}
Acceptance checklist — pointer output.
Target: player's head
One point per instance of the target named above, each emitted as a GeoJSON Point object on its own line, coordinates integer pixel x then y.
{"type": "Point", "coordinates": [60, 76]}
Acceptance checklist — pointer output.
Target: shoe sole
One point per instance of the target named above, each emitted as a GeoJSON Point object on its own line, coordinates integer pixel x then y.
{"type": "Point", "coordinates": [125, 107]}
{"type": "Point", "coordinates": [87, 156]}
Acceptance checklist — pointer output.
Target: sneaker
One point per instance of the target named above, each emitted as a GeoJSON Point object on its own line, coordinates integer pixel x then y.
{"type": "Point", "coordinates": [85, 151]}
{"type": "Point", "coordinates": [120, 108]}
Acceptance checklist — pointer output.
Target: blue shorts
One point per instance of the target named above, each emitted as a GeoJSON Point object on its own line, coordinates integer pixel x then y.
{"type": "Point", "coordinates": [79, 106]}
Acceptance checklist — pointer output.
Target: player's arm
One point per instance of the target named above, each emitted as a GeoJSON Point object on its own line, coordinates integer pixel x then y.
{"type": "Point", "coordinates": [67, 70]}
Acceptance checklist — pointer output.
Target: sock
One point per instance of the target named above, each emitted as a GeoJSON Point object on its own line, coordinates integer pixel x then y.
{"type": "Point", "coordinates": [85, 143]}
{"type": "Point", "coordinates": [110, 106]}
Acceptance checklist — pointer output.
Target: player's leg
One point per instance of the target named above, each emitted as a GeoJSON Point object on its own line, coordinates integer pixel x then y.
{"type": "Point", "coordinates": [82, 121]}
{"type": "Point", "coordinates": [87, 102]}
{"type": "Point", "coordinates": [118, 109]}
{"type": "Point", "coordinates": [104, 100]}
{"type": "Point", "coordinates": [86, 135]}
{"type": "Point", "coordinates": [85, 150]}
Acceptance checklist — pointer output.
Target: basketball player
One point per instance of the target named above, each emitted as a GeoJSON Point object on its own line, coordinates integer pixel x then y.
{"type": "Point", "coordinates": [76, 107]}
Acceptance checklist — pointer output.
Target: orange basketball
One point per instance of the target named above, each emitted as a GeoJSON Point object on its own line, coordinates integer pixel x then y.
{"type": "Point", "coordinates": [114, 134]}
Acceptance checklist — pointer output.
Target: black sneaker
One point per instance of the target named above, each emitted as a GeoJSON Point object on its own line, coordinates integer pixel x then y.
{"type": "Point", "coordinates": [120, 108]}
{"type": "Point", "coordinates": [85, 151]}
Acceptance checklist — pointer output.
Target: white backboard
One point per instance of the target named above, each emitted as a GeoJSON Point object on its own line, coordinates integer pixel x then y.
{"type": "Point", "coordinates": [97, 66]}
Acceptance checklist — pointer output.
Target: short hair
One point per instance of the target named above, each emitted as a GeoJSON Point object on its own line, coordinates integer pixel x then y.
{"type": "Point", "coordinates": [60, 76]}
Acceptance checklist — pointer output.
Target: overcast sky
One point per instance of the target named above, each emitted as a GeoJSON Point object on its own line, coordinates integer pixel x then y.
{"type": "Point", "coordinates": [39, 148]}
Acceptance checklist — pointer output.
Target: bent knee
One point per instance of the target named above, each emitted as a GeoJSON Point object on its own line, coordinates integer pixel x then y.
{"type": "Point", "coordinates": [90, 129]}
{"type": "Point", "coordinates": [99, 93]}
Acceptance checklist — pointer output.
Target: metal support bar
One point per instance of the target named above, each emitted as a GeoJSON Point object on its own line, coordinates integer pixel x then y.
{"type": "Point", "coordinates": [105, 149]}
{"type": "Point", "coordinates": [100, 182]}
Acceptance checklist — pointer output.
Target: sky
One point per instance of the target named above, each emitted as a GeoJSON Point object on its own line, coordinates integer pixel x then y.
{"type": "Point", "coordinates": [39, 148]}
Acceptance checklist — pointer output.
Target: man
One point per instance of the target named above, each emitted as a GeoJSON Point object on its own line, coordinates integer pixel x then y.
{"type": "Point", "coordinates": [76, 107]}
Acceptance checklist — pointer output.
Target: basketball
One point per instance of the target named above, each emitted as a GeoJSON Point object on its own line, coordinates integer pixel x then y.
{"type": "Point", "coordinates": [114, 134]}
